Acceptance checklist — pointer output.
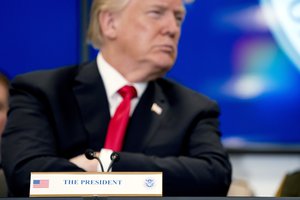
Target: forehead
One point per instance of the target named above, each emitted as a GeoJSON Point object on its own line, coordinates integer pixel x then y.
{"type": "Point", "coordinates": [175, 5]}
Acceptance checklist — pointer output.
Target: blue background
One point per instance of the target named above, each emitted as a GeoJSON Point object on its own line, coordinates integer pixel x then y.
{"type": "Point", "coordinates": [221, 44]}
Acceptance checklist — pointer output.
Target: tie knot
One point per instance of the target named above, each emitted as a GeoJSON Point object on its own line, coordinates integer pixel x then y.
{"type": "Point", "coordinates": [128, 91]}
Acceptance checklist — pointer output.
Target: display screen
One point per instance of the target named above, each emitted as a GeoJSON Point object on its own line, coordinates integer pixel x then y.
{"type": "Point", "coordinates": [245, 54]}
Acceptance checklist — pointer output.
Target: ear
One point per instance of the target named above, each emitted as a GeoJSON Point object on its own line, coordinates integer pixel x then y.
{"type": "Point", "coordinates": [107, 22]}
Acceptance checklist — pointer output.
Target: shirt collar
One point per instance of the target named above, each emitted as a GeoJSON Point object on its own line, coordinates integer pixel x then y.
{"type": "Point", "coordinates": [113, 80]}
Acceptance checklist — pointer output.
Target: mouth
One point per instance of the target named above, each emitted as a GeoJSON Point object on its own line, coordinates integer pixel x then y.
{"type": "Point", "coordinates": [166, 48]}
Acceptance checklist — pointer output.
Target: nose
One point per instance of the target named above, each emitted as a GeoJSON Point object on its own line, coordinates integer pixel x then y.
{"type": "Point", "coordinates": [171, 26]}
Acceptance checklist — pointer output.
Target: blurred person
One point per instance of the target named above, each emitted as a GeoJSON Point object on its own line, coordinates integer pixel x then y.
{"type": "Point", "coordinates": [4, 84]}
{"type": "Point", "coordinates": [290, 185]}
{"type": "Point", "coordinates": [56, 115]}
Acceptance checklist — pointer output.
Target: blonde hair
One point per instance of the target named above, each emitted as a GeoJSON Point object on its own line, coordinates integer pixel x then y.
{"type": "Point", "coordinates": [94, 34]}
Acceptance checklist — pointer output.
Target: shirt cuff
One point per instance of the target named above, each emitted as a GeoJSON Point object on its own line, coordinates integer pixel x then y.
{"type": "Point", "coordinates": [105, 159]}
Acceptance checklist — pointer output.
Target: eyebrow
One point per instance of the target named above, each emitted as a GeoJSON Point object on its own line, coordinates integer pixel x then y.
{"type": "Point", "coordinates": [182, 11]}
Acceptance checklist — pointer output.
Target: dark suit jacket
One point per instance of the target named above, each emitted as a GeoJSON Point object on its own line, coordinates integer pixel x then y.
{"type": "Point", "coordinates": [56, 115]}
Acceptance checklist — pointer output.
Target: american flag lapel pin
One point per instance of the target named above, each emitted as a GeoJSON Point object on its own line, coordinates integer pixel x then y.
{"type": "Point", "coordinates": [156, 108]}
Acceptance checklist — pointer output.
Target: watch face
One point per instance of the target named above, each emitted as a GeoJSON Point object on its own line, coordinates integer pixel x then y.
{"type": "Point", "coordinates": [284, 20]}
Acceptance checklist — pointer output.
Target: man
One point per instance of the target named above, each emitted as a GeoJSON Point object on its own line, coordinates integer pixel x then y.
{"type": "Point", "coordinates": [56, 115]}
{"type": "Point", "coordinates": [3, 117]}
{"type": "Point", "coordinates": [4, 83]}
{"type": "Point", "coordinates": [3, 101]}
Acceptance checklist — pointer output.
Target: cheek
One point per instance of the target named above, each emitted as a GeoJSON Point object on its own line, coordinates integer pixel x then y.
{"type": "Point", "coordinates": [144, 33]}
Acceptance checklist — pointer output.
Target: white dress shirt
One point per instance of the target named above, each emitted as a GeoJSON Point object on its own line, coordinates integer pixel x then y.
{"type": "Point", "coordinates": [113, 81]}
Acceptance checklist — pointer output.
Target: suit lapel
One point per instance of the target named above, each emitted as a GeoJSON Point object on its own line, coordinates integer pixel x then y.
{"type": "Point", "coordinates": [92, 101]}
{"type": "Point", "coordinates": [145, 121]}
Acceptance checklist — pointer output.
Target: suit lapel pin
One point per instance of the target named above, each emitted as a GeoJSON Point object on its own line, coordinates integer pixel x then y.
{"type": "Point", "coordinates": [156, 108]}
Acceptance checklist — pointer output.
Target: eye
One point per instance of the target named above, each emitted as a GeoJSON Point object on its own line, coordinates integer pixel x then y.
{"type": "Point", "coordinates": [179, 19]}
{"type": "Point", "coordinates": [155, 13]}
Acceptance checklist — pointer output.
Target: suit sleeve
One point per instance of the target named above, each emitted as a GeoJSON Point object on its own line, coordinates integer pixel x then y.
{"type": "Point", "coordinates": [202, 168]}
{"type": "Point", "coordinates": [28, 143]}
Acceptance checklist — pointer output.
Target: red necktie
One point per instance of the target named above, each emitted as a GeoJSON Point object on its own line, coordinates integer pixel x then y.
{"type": "Point", "coordinates": [118, 124]}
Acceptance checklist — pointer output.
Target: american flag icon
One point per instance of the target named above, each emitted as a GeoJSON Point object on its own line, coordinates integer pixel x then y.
{"type": "Point", "coordinates": [40, 183]}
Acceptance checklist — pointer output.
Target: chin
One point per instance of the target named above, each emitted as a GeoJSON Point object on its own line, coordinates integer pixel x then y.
{"type": "Point", "coordinates": [162, 62]}
{"type": "Point", "coordinates": [165, 64]}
